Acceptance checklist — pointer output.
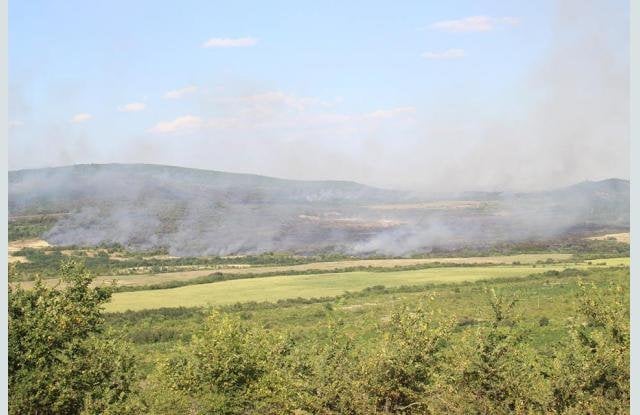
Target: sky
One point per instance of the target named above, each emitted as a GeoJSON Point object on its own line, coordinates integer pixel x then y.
{"type": "Point", "coordinates": [423, 95]}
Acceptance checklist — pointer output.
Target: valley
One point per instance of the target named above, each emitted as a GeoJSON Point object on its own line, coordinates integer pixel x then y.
{"type": "Point", "coordinates": [315, 284]}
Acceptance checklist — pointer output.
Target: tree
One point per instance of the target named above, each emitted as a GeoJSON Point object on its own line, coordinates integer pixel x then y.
{"type": "Point", "coordinates": [58, 363]}
{"type": "Point", "coordinates": [406, 370]}
{"type": "Point", "coordinates": [591, 372]}
{"type": "Point", "coordinates": [496, 371]}
{"type": "Point", "coordinates": [216, 371]}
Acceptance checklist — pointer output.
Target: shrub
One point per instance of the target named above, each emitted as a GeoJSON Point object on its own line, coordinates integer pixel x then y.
{"type": "Point", "coordinates": [57, 361]}
{"type": "Point", "coordinates": [218, 368]}
{"type": "Point", "coordinates": [493, 370]}
{"type": "Point", "coordinates": [591, 372]}
{"type": "Point", "coordinates": [408, 365]}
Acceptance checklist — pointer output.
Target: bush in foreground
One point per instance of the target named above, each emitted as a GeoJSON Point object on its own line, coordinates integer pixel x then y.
{"type": "Point", "coordinates": [422, 364]}
{"type": "Point", "coordinates": [57, 362]}
{"type": "Point", "coordinates": [416, 362]}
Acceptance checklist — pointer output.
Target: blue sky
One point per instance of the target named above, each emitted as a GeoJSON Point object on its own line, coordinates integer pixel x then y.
{"type": "Point", "coordinates": [398, 94]}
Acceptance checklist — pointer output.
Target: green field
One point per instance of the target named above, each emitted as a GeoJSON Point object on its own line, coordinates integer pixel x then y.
{"type": "Point", "coordinates": [319, 285]}
{"type": "Point", "coordinates": [188, 274]}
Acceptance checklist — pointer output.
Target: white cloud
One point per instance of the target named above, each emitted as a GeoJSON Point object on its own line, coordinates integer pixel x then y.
{"type": "Point", "coordinates": [447, 54]}
{"type": "Point", "coordinates": [82, 117]}
{"type": "Point", "coordinates": [132, 107]}
{"type": "Point", "coordinates": [390, 113]}
{"type": "Point", "coordinates": [282, 115]}
{"type": "Point", "coordinates": [277, 99]}
{"type": "Point", "coordinates": [219, 42]}
{"type": "Point", "coordinates": [182, 124]}
{"type": "Point", "coordinates": [179, 93]}
{"type": "Point", "coordinates": [242, 120]}
{"type": "Point", "coordinates": [267, 106]}
{"type": "Point", "coordinates": [474, 24]}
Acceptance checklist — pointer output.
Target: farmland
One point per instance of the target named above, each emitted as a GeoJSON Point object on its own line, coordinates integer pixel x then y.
{"type": "Point", "coordinates": [138, 279]}
{"type": "Point", "coordinates": [319, 285]}
{"type": "Point", "coordinates": [620, 237]}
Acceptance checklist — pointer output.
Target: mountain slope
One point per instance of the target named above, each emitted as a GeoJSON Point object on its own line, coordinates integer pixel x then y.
{"type": "Point", "coordinates": [604, 202]}
{"type": "Point", "coordinates": [66, 188]}
{"type": "Point", "coordinates": [199, 212]}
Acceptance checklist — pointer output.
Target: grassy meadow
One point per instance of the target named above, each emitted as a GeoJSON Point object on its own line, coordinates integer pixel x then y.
{"type": "Point", "coordinates": [140, 277]}
{"type": "Point", "coordinates": [320, 285]}
{"type": "Point", "coordinates": [540, 295]}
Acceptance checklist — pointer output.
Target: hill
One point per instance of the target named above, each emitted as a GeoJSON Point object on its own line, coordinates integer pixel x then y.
{"type": "Point", "coordinates": [192, 212]}
{"type": "Point", "coordinates": [66, 188]}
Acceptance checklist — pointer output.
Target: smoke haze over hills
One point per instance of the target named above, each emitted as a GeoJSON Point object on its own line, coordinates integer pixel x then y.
{"type": "Point", "coordinates": [195, 212]}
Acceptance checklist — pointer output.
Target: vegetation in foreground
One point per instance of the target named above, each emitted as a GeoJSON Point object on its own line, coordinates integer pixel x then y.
{"type": "Point", "coordinates": [58, 361]}
{"type": "Point", "coordinates": [408, 353]}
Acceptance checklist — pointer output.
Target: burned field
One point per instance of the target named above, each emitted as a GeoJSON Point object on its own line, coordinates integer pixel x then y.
{"type": "Point", "coordinates": [187, 212]}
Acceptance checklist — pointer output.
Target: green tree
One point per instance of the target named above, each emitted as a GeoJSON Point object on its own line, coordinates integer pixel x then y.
{"type": "Point", "coordinates": [591, 372]}
{"type": "Point", "coordinates": [57, 362]}
{"type": "Point", "coordinates": [216, 371]}
{"type": "Point", "coordinates": [317, 376]}
{"type": "Point", "coordinates": [333, 383]}
{"type": "Point", "coordinates": [496, 371]}
{"type": "Point", "coordinates": [407, 368]}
